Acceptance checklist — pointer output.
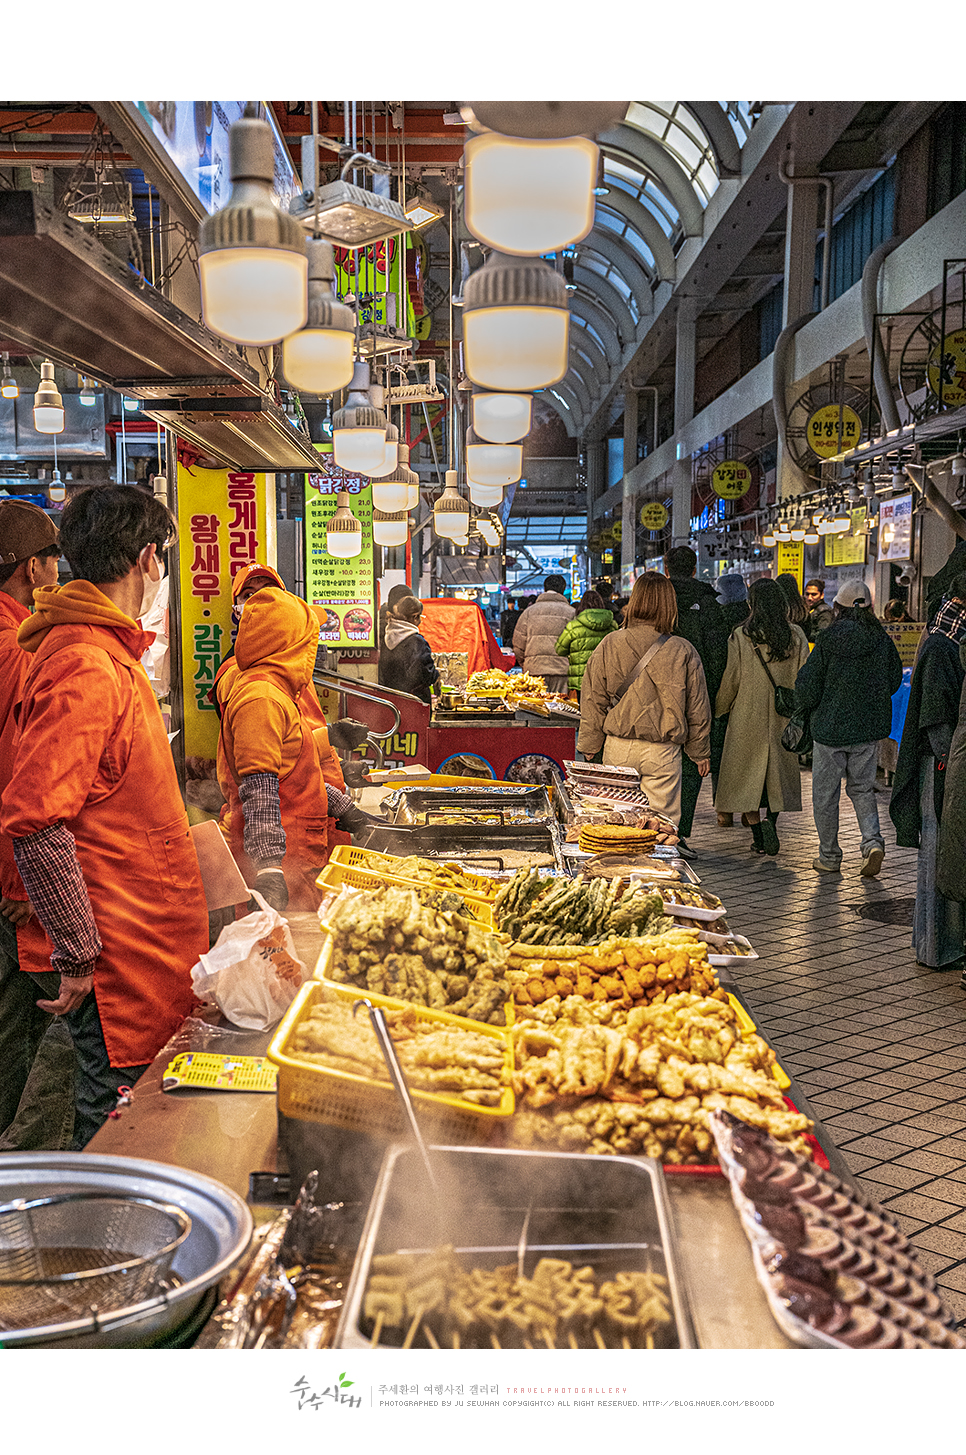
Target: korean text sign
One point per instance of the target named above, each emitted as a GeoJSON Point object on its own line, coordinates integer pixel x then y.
{"type": "Point", "coordinates": [343, 589]}
{"type": "Point", "coordinates": [223, 524]}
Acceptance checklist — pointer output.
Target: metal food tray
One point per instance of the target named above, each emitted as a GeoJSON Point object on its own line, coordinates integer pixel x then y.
{"type": "Point", "coordinates": [453, 842]}
{"type": "Point", "coordinates": [408, 805]}
{"type": "Point", "coordinates": [499, 1207]}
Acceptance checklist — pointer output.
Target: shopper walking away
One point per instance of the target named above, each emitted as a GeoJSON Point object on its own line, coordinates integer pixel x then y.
{"type": "Point", "coordinates": [100, 833]}
{"type": "Point", "coordinates": [797, 605]}
{"type": "Point", "coordinates": [32, 1048]}
{"type": "Point", "coordinates": [757, 773]}
{"type": "Point", "coordinates": [733, 600]}
{"type": "Point", "coordinates": [644, 697]}
{"type": "Point", "coordinates": [406, 661]}
{"type": "Point", "coordinates": [846, 687]}
{"type": "Point", "coordinates": [917, 803]}
{"type": "Point", "coordinates": [509, 619]}
{"type": "Point", "coordinates": [536, 633]}
{"type": "Point", "coordinates": [701, 623]}
{"type": "Point", "coordinates": [583, 632]}
{"type": "Point", "coordinates": [819, 615]}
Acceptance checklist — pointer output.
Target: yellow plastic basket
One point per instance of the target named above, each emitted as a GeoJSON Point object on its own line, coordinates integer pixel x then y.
{"type": "Point", "coordinates": [312, 1092]}
{"type": "Point", "coordinates": [364, 869]}
{"type": "Point", "coordinates": [748, 1028]}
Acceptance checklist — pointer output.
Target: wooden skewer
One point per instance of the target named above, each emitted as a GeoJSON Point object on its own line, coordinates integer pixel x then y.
{"type": "Point", "coordinates": [377, 1330]}
{"type": "Point", "coordinates": [411, 1331]}
{"type": "Point", "coordinates": [598, 1336]}
{"type": "Point", "coordinates": [495, 1341]}
{"type": "Point", "coordinates": [430, 1337]}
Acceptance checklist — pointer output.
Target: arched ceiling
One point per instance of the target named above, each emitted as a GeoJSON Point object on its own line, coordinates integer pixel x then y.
{"type": "Point", "coordinates": [661, 167]}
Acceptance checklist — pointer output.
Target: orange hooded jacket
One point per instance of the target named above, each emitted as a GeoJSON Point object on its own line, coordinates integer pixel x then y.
{"type": "Point", "coordinates": [264, 729]}
{"type": "Point", "coordinates": [92, 753]}
{"type": "Point", "coordinates": [13, 669]}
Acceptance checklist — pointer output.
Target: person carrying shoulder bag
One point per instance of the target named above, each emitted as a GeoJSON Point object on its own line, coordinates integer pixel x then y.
{"type": "Point", "coordinates": [644, 698]}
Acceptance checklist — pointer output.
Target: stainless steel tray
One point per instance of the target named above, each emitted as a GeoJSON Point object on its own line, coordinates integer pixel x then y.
{"type": "Point", "coordinates": [488, 844]}
{"type": "Point", "coordinates": [498, 1206]}
{"type": "Point", "coordinates": [422, 807]}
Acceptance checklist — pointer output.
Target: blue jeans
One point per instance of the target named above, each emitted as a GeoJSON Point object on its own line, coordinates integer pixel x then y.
{"type": "Point", "coordinates": [96, 1081]}
{"type": "Point", "coordinates": [857, 764]}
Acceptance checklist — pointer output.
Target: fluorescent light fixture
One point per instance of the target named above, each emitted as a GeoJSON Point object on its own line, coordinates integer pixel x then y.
{"type": "Point", "coordinates": [252, 256]}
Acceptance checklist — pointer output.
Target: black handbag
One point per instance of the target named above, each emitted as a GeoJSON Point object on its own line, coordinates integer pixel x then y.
{"type": "Point", "coordinates": [797, 736]}
{"type": "Point", "coordinates": [784, 696]}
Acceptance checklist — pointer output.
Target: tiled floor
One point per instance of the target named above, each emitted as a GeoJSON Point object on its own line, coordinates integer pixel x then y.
{"type": "Point", "coordinates": [876, 1042]}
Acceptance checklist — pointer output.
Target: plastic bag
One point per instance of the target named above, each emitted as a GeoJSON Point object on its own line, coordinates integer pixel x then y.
{"type": "Point", "coordinates": [252, 972]}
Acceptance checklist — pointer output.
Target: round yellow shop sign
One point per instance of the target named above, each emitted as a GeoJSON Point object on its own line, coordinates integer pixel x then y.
{"type": "Point", "coordinates": [654, 515]}
{"type": "Point", "coordinates": [731, 479]}
{"type": "Point", "coordinates": [832, 429]}
{"type": "Point", "coordinates": [949, 360]}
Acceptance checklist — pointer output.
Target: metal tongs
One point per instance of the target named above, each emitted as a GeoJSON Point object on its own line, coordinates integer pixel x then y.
{"type": "Point", "coordinates": [381, 1031]}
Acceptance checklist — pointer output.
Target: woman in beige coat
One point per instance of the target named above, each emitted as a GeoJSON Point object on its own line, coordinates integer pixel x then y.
{"type": "Point", "coordinates": [645, 716]}
{"type": "Point", "coordinates": [756, 771]}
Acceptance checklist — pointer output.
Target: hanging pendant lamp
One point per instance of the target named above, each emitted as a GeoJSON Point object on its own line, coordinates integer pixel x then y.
{"type": "Point", "coordinates": [488, 464]}
{"type": "Point", "coordinates": [501, 418]}
{"type": "Point", "coordinates": [359, 429]}
{"type": "Point", "coordinates": [251, 255]}
{"type": "Point", "coordinates": [516, 324]}
{"type": "Point", "coordinates": [343, 536]}
{"type": "Point", "coordinates": [319, 358]}
{"type": "Point", "coordinates": [377, 397]}
{"type": "Point", "coordinates": [48, 405]}
{"type": "Point", "coordinates": [488, 497]}
{"type": "Point", "coordinates": [390, 528]}
{"type": "Point", "coordinates": [451, 513]}
{"type": "Point", "coordinates": [529, 197]}
{"type": "Point", "coordinates": [9, 388]}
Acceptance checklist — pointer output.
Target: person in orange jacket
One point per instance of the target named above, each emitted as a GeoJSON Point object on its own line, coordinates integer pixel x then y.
{"type": "Point", "coordinates": [99, 829]}
{"type": "Point", "coordinates": [269, 765]}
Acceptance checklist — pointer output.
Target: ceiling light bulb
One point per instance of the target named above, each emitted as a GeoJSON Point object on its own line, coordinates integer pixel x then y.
{"type": "Point", "coordinates": [56, 490]}
{"type": "Point", "coordinates": [421, 209]}
{"type": "Point", "coordinates": [411, 478]}
{"type": "Point", "coordinates": [529, 197]}
{"type": "Point", "coordinates": [811, 537]}
{"type": "Point", "coordinates": [252, 256]}
{"type": "Point", "coordinates": [516, 324]}
{"type": "Point", "coordinates": [768, 538]}
{"type": "Point", "coordinates": [48, 405]}
{"type": "Point", "coordinates": [132, 404]}
{"type": "Point", "coordinates": [359, 429]}
{"type": "Point", "coordinates": [501, 418]}
{"type": "Point", "coordinates": [390, 458]}
{"type": "Point", "coordinates": [782, 531]}
{"type": "Point", "coordinates": [343, 536]}
{"type": "Point", "coordinates": [798, 529]}
{"type": "Point", "coordinates": [9, 388]}
{"type": "Point", "coordinates": [486, 496]}
{"type": "Point", "coordinates": [488, 464]}
{"type": "Point", "coordinates": [390, 528]}
{"type": "Point", "coordinates": [319, 358]}
{"type": "Point", "coordinates": [87, 395]}
{"type": "Point", "coordinates": [451, 513]}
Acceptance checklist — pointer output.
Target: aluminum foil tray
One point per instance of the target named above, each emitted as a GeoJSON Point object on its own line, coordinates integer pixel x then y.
{"type": "Point", "coordinates": [516, 1207]}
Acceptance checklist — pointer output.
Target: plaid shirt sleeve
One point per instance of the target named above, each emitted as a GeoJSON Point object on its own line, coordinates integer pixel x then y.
{"type": "Point", "coordinates": [337, 801]}
{"type": "Point", "coordinates": [264, 835]}
{"type": "Point", "coordinates": [52, 877]}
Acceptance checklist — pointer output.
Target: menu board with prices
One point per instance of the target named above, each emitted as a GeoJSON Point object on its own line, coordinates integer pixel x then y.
{"type": "Point", "coordinates": [343, 589]}
{"type": "Point", "coordinates": [849, 547]}
{"type": "Point", "coordinates": [895, 528]}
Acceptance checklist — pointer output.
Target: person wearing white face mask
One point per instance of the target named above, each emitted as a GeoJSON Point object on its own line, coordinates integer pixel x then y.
{"type": "Point", "coordinates": [100, 834]}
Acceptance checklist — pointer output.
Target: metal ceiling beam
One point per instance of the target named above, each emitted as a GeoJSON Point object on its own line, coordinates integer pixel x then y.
{"type": "Point", "coordinates": [719, 132]}
{"type": "Point", "coordinates": [606, 296]}
{"type": "Point", "coordinates": [570, 416]}
{"type": "Point", "coordinates": [583, 307]}
{"type": "Point", "coordinates": [620, 254]}
{"type": "Point", "coordinates": [574, 381]}
{"type": "Point", "coordinates": [644, 222]}
{"type": "Point", "coordinates": [627, 143]}
{"type": "Point", "coordinates": [581, 339]}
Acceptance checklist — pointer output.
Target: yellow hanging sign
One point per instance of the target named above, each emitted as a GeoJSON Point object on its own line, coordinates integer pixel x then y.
{"type": "Point", "coordinates": [790, 557]}
{"type": "Point", "coordinates": [832, 429]}
{"type": "Point", "coordinates": [731, 479]}
{"type": "Point", "coordinates": [654, 515]}
{"type": "Point", "coordinates": [948, 363]}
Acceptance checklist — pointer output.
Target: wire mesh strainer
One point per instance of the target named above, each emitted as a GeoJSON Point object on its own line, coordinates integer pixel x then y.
{"type": "Point", "coordinates": [62, 1256]}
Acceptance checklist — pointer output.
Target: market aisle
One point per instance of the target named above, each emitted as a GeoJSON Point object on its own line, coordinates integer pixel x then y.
{"type": "Point", "coordinates": [877, 1043]}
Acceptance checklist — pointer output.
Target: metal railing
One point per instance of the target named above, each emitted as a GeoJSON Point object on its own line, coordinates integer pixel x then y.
{"type": "Point", "coordinates": [360, 687]}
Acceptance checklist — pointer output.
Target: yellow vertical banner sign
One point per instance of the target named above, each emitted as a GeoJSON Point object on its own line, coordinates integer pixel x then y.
{"type": "Point", "coordinates": [790, 557]}
{"type": "Point", "coordinates": [226, 518]}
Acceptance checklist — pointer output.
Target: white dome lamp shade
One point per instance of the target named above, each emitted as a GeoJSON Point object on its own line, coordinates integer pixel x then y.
{"type": "Point", "coordinates": [343, 536]}
{"type": "Point", "coordinates": [48, 405]}
{"type": "Point", "coordinates": [516, 324]}
{"type": "Point", "coordinates": [493, 465]}
{"type": "Point", "coordinates": [392, 492]}
{"type": "Point", "coordinates": [412, 479]}
{"type": "Point", "coordinates": [390, 459]}
{"type": "Point", "coordinates": [544, 120]}
{"type": "Point", "coordinates": [501, 418]}
{"type": "Point", "coordinates": [529, 197]}
{"type": "Point", "coordinates": [390, 528]}
{"type": "Point", "coordinates": [451, 513]}
{"type": "Point", "coordinates": [359, 429]}
{"type": "Point", "coordinates": [319, 358]}
{"type": "Point", "coordinates": [252, 255]}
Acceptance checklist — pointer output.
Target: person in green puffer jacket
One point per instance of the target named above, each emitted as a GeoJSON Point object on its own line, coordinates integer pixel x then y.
{"type": "Point", "coordinates": [585, 631]}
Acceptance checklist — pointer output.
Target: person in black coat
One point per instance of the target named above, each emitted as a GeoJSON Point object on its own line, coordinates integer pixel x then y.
{"type": "Point", "coordinates": [701, 623]}
{"type": "Point", "coordinates": [916, 808]}
{"type": "Point", "coordinates": [846, 687]}
{"type": "Point", "coordinates": [406, 661]}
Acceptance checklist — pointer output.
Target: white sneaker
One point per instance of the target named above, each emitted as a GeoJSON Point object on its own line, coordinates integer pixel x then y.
{"type": "Point", "coordinates": [872, 862]}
